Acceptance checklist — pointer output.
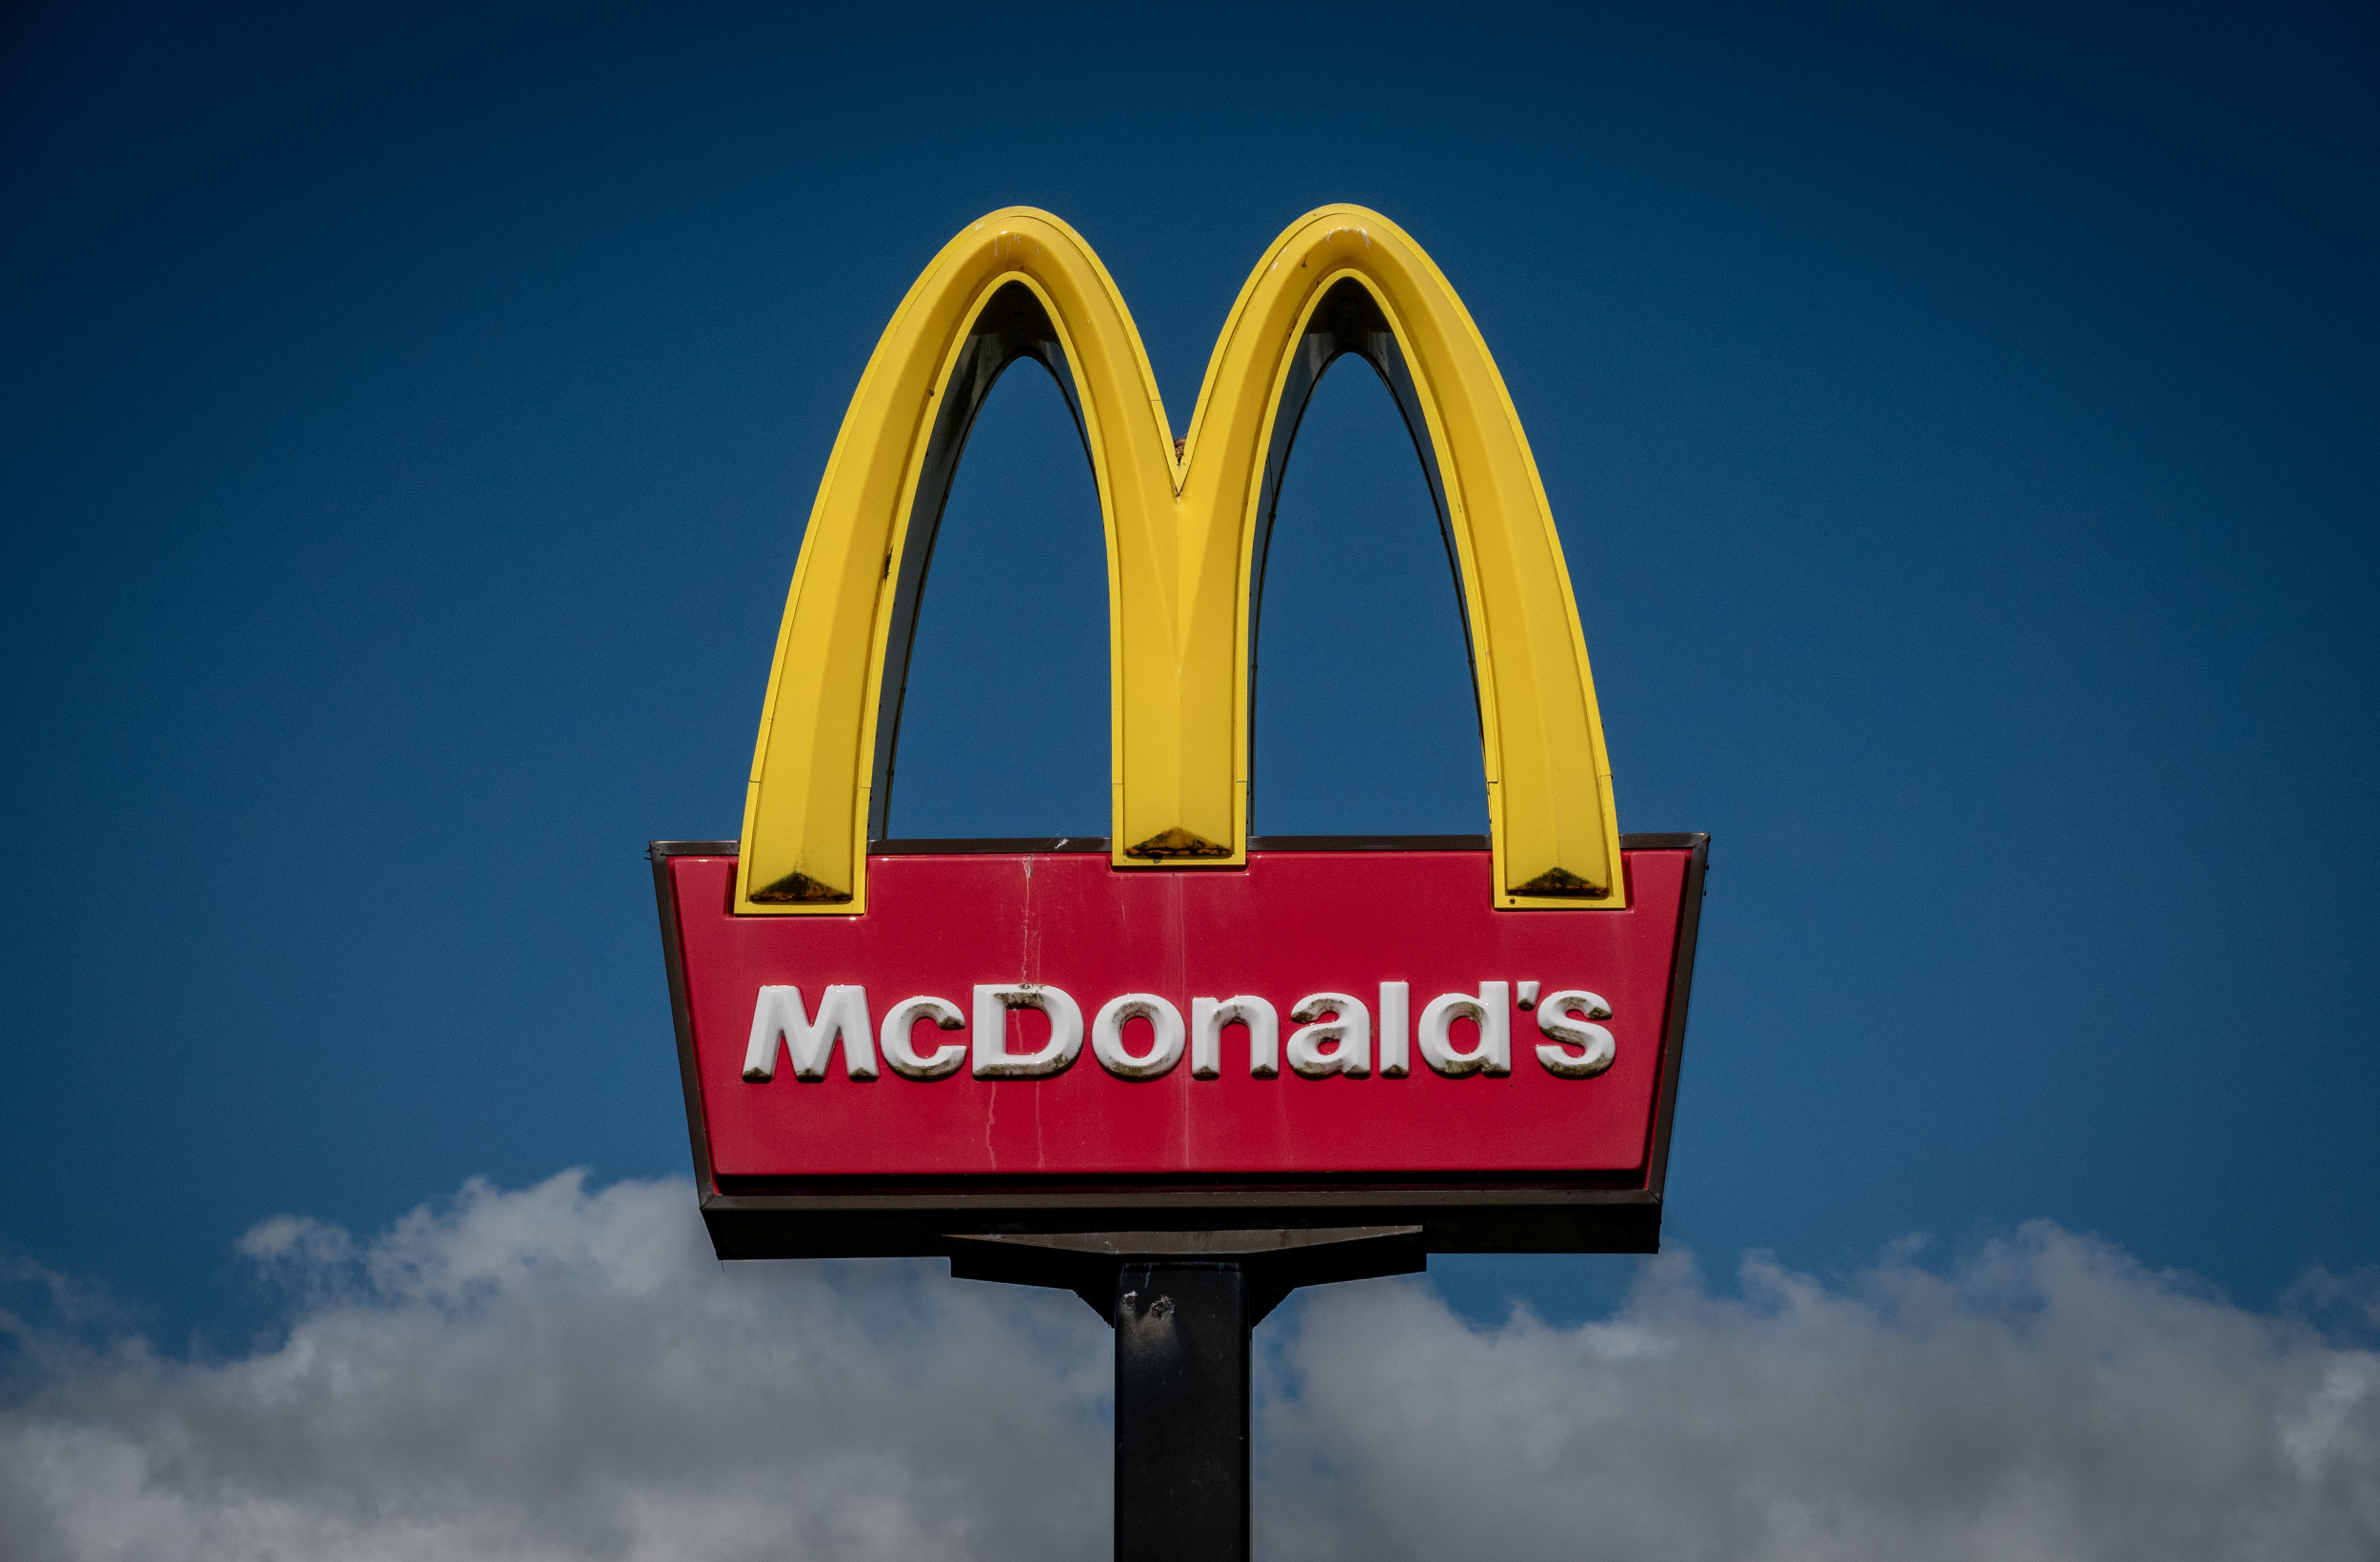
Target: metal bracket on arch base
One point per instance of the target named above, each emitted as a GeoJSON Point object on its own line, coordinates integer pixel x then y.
{"type": "Point", "coordinates": [1184, 1305]}
{"type": "Point", "coordinates": [1274, 1262]}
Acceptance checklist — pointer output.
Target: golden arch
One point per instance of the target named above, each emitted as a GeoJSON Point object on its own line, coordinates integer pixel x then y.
{"type": "Point", "coordinates": [1186, 533]}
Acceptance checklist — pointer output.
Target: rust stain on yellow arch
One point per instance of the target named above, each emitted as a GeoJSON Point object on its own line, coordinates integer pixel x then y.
{"type": "Point", "coordinates": [1183, 527]}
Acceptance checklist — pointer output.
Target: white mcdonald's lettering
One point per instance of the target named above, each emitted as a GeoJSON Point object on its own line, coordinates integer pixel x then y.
{"type": "Point", "coordinates": [1494, 1052]}
{"type": "Point", "coordinates": [899, 1043]}
{"type": "Point", "coordinates": [1553, 1019]}
{"type": "Point", "coordinates": [1207, 1020]}
{"type": "Point", "coordinates": [779, 1016]}
{"type": "Point", "coordinates": [1395, 1060]}
{"type": "Point", "coordinates": [1335, 1034]}
{"type": "Point", "coordinates": [992, 1060]}
{"type": "Point", "coordinates": [1107, 1037]}
{"type": "Point", "coordinates": [1347, 1034]}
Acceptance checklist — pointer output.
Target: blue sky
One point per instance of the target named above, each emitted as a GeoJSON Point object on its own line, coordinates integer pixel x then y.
{"type": "Point", "coordinates": [1962, 425]}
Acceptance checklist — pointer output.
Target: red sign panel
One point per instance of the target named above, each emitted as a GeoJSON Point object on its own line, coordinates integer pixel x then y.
{"type": "Point", "coordinates": [1022, 1040]}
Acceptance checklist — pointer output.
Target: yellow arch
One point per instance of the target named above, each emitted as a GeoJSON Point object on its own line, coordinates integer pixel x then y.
{"type": "Point", "coordinates": [1185, 539]}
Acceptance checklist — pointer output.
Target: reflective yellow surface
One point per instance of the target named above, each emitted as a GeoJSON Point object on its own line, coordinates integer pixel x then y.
{"type": "Point", "coordinates": [1181, 533]}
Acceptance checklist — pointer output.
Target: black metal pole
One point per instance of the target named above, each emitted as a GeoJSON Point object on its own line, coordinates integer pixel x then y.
{"type": "Point", "coordinates": [1182, 1412]}
{"type": "Point", "coordinates": [1183, 1304]}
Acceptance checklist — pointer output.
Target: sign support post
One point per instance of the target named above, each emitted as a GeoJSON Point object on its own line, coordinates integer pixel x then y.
{"type": "Point", "coordinates": [1182, 1338]}
{"type": "Point", "coordinates": [1184, 1306]}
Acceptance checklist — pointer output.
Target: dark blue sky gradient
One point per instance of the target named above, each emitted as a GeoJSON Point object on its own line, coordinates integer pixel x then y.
{"type": "Point", "coordinates": [1962, 427]}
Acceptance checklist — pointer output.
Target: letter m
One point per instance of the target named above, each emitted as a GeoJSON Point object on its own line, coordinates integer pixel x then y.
{"type": "Point", "coordinates": [779, 1016]}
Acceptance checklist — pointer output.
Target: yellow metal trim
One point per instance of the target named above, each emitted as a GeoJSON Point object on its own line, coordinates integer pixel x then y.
{"type": "Point", "coordinates": [1181, 535]}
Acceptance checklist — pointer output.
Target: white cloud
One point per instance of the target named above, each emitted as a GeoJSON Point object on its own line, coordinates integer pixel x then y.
{"type": "Point", "coordinates": [560, 1374]}
{"type": "Point", "coordinates": [2049, 1399]}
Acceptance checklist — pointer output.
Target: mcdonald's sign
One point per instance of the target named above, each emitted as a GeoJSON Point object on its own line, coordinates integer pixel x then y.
{"type": "Point", "coordinates": [928, 1047]}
